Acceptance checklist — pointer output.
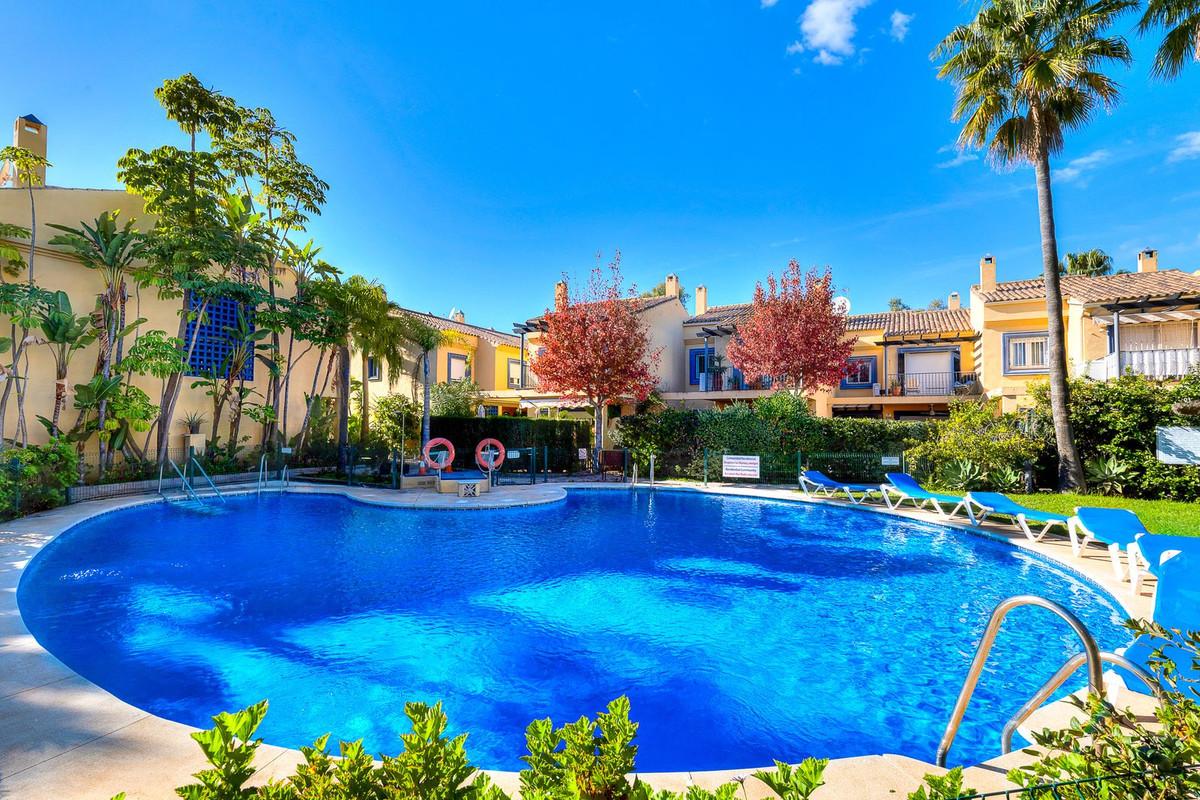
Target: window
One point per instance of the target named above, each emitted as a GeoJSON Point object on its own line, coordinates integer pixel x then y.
{"type": "Point", "coordinates": [860, 372]}
{"type": "Point", "coordinates": [697, 364]}
{"type": "Point", "coordinates": [1025, 352]}
{"type": "Point", "coordinates": [374, 373]}
{"type": "Point", "coordinates": [456, 367]}
{"type": "Point", "coordinates": [215, 340]}
{"type": "Point", "coordinates": [514, 373]}
{"type": "Point", "coordinates": [491, 411]}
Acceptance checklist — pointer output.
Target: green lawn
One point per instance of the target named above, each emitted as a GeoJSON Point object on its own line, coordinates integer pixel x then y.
{"type": "Point", "coordinates": [1159, 516]}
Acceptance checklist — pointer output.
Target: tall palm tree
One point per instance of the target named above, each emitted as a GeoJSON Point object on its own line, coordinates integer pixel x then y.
{"type": "Point", "coordinates": [383, 339]}
{"type": "Point", "coordinates": [1181, 19]}
{"type": "Point", "coordinates": [1027, 71]}
{"type": "Point", "coordinates": [426, 339]}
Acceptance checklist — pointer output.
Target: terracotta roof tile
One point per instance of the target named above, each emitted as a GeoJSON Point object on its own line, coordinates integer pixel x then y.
{"type": "Point", "coordinates": [1102, 288]}
{"type": "Point", "coordinates": [892, 323]}
{"type": "Point", "coordinates": [441, 323]}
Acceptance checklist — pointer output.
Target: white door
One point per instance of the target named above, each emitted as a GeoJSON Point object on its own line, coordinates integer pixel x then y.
{"type": "Point", "coordinates": [928, 373]}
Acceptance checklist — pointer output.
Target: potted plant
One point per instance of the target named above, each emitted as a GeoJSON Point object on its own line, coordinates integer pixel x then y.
{"type": "Point", "coordinates": [895, 387]}
{"type": "Point", "coordinates": [716, 372]}
{"type": "Point", "coordinates": [192, 423]}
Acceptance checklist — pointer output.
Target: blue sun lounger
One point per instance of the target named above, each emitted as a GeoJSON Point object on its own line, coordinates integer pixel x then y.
{"type": "Point", "coordinates": [1176, 607]}
{"type": "Point", "coordinates": [984, 504]}
{"type": "Point", "coordinates": [1154, 551]}
{"type": "Point", "coordinates": [901, 486]}
{"type": "Point", "coordinates": [1116, 528]}
{"type": "Point", "coordinates": [815, 483]}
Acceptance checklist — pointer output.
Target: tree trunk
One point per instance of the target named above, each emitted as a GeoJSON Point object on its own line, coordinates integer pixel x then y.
{"type": "Point", "coordinates": [60, 394]}
{"type": "Point", "coordinates": [425, 408]}
{"type": "Point", "coordinates": [364, 427]}
{"type": "Point", "coordinates": [599, 433]}
{"type": "Point", "coordinates": [313, 395]}
{"type": "Point", "coordinates": [1070, 471]}
{"type": "Point", "coordinates": [174, 383]}
{"type": "Point", "coordinates": [343, 389]}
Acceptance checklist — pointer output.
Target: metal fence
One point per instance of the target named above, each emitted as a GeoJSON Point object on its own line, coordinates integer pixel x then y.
{"type": "Point", "coordinates": [855, 467]}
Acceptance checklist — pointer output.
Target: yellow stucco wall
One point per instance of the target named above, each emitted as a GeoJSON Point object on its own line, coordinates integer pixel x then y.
{"type": "Point", "coordinates": [56, 270]}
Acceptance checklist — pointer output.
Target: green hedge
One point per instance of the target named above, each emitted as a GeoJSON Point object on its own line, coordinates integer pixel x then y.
{"type": "Point", "coordinates": [776, 427]}
{"type": "Point", "coordinates": [560, 436]}
{"type": "Point", "coordinates": [36, 478]}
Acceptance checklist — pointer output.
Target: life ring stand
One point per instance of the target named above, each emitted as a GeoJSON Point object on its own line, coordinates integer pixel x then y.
{"type": "Point", "coordinates": [501, 454]}
{"type": "Point", "coordinates": [439, 464]}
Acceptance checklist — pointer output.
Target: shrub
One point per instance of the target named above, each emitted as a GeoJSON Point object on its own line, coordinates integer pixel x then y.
{"type": "Point", "coordinates": [1107, 475]}
{"type": "Point", "coordinates": [36, 477]}
{"type": "Point", "coordinates": [978, 433]}
{"type": "Point", "coordinates": [962, 476]}
{"type": "Point", "coordinates": [396, 422]}
{"type": "Point", "coordinates": [582, 760]}
{"type": "Point", "coordinates": [1006, 479]}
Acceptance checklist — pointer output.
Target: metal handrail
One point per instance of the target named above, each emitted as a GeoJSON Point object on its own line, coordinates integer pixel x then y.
{"type": "Point", "coordinates": [1091, 652]}
{"type": "Point", "coordinates": [216, 491]}
{"type": "Point", "coordinates": [1058, 679]}
{"type": "Point", "coordinates": [262, 473]}
{"type": "Point", "coordinates": [187, 486]}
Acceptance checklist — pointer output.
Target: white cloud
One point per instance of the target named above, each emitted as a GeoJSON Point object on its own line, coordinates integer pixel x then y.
{"type": "Point", "coordinates": [958, 160]}
{"type": "Point", "coordinates": [828, 27]}
{"type": "Point", "coordinates": [900, 23]}
{"type": "Point", "coordinates": [794, 48]}
{"type": "Point", "coordinates": [1187, 146]}
{"type": "Point", "coordinates": [1076, 167]}
{"type": "Point", "coordinates": [768, 3]}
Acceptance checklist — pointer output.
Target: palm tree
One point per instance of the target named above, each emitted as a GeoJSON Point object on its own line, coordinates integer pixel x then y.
{"type": "Point", "coordinates": [1089, 262]}
{"type": "Point", "coordinates": [382, 339]}
{"type": "Point", "coordinates": [1027, 71]}
{"type": "Point", "coordinates": [426, 339]}
{"type": "Point", "coordinates": [1181, 19]}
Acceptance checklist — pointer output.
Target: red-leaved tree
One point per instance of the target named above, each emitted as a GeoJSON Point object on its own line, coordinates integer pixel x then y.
{"type": "Point", "coordinates": [794, 334]}
{"type": "Point", "coordinates": [595, 347]}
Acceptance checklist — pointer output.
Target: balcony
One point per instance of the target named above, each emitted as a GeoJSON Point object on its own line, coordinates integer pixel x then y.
{"type": "Point", "coordinates": [722, 381]}
{"type": "Point", "coordinates": [932, 384]}
{"type": "Point", "coordinates": [1163, 364]}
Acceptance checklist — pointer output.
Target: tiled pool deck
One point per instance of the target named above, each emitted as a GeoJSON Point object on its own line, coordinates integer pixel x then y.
{"type": "Point", "coordinates": [62, 737]}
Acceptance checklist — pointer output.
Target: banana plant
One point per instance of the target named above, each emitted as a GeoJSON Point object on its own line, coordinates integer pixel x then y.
{"type": "Point", "coordinates": [66, 333]}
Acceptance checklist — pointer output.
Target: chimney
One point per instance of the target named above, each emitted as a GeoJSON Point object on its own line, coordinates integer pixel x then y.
{"type": "Point", "coordinates": [29, 132]}
{"type": "Point", "coordinates": [1148, 260]}
{"type": "Point", "coordinates": [701, 300]}
{"type": "Point", "coordinates": [561, 298]}
{"type": "Point", "coordinates": [457, 315]}
{"type": "Point", "coordinates": [672, 285]}
{"type": "Point", "coordinates": [954, 302]}
{"type": "Point", "coordinates": [987, 273]}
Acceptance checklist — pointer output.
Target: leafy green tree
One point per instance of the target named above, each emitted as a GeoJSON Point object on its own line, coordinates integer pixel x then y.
{"type": "Point", "coordinates": [1026, 73]}
{"type": "Point", "coordinates": [427, 339]}
{"type": "Point", "coordinates": [66, 333]}
{"type": "Point", "coordinates": [397, 421]}
{"type": "Point", "coordinates": [456, 399]}
{"type": "Point", "coordinates": [23, 304]}
{"type": "Point", "coordinates": [1090, 263]}
{"type": "Point", "coordinates": [660, 290]}
{"type": "Point", "coordinates": [11, 260]}
{"type": "Point", "coordinates": [1181, 42]}
{"type": "Point", "coordinates": [977, 433]}
{"type": "Point", "coordinates": [936, 304]}
{"type": "Point", "coordinates": [27, 167]}
{"type": "Point", "coordinates": [896, 304]}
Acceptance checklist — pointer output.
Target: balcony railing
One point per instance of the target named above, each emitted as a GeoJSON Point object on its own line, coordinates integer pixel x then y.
{"type": "Point", "coordinates": [731, 382]}
{"type": "Point", "coordinates": [1160, 364]}
{"type": "Point", "coordinates": [932, 384]}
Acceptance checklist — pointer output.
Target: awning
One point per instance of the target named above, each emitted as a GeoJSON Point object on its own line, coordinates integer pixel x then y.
{"type": "Point", "coordinates": [555, 402]}
{"type": "Point", "coordinates": [1141, 317]}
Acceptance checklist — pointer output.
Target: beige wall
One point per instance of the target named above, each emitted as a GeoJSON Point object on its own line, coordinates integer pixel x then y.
{"type": "Point", "coordinates": [56, 270]}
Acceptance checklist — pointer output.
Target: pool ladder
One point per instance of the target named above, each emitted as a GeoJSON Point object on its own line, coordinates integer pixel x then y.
{"type": "Point", "coordinates": [190, 496]}
{"type": "Point", "coordinates": [1091, 655]}
{"type": "Point", "coordinates": [263, 479]}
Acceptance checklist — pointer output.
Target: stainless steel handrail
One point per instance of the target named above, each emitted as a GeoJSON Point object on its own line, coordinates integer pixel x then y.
{"type": "Point", "coordinates": [216, 491]}
{"type": "Point", "coordinates": [262, 473]}
{"type": "Point", "coordinates": [187, 487]}
{"type": "Point", "coordinates": [1058, 679]}
{"type": "Point", "coordinates": [1091, 652]}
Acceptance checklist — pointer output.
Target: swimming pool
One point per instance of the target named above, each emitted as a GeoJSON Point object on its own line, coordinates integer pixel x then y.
{"type": "Point", "coordinates": [741, 629]}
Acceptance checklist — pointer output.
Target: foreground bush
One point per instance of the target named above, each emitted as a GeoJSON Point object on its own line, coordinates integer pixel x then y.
{"type": "Point", "coordinates": [582, 760]}
{"type": "Point", "coordinates": [36, 477]}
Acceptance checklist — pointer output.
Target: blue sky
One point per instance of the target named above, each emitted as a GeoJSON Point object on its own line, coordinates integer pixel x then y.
{"type": "Point", "coordinates": [479, 150]}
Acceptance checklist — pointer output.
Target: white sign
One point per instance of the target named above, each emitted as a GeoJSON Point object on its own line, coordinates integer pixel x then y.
{"type": "Point", "coordinates": [739, 467]}
{"type": "Point", "coordinates": [891, 461]}
{"type": "Point", "coordinates": [1178, 445]}
{"type": "Point", "coordinates": [287, 451]}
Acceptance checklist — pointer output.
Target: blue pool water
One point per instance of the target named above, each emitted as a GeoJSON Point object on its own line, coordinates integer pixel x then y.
{"type": "Point", "coordinates": [742, 630]}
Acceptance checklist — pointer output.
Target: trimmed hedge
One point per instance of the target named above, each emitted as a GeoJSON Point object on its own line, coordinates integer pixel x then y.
{"type": "Point", "coordinates": [560, 436]}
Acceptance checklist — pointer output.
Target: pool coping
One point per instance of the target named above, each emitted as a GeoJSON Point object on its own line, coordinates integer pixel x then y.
{"type": "Point", "coordinates": [62, 736]}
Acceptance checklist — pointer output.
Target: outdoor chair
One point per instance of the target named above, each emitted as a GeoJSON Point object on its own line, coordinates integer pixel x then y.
{"type": "Point", "coordinates": [985, 504]}
{"type": "Point", "coordinates": [815, 483]}
{"type": "Point", "coordinates": [1115, 528]}
{"type": "Point", "coordinates": [901, 486]}
{"type": "Point", "coordinates": [1176, 607]}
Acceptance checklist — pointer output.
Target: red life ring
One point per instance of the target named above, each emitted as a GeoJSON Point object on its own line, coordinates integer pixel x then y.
{"type": "Point", "coordinates": [501, 454]}
{"type": "Point", "coordinates": [439, 463]}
